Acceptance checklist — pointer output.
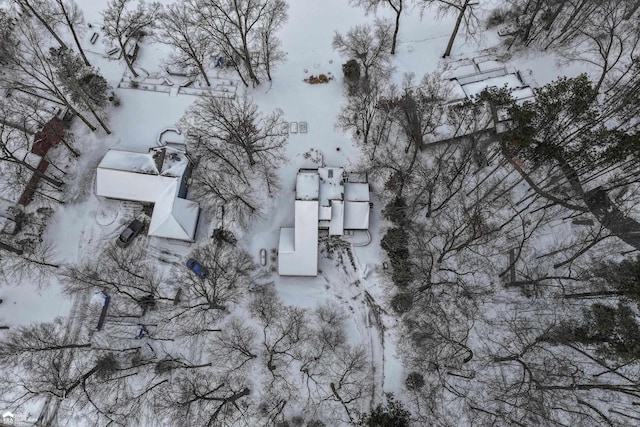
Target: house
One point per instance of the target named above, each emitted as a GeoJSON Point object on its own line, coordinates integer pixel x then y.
{"type": "Point", "coordinates": [327, 199]}
{"type": "Point", "coordinates": [158, 177]}
{"type": "Point", "coordinates": [470, 80]}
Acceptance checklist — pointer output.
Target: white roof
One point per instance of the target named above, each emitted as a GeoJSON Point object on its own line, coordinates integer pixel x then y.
{"type": "Point", "coordinates": [336, 225]}
{"type": "Point", "coordinates": [323, 200]}
{"type": "Point", "coordinates": [287, 243]}
{"type": "Point", "coordinates": [307, 185]}
{"type": "Point", "coordinates": [490, 65]}
{"type": "Point", "coordinates": [132, 176]}
{"type": "Point", "coordinates": [356, 191]}
{"type": "Point", "coordinates": [140, 163]}
{"type": "Point", "coordinates": [523, 94]}
{"type": "Point", "coordinates": [464, 70]}
{"type": "Point", "coordinates": [324, 213]}
{"type": "Point", "coordinates": [331, 185]}
{"type": "Point", "coordinates": [457, 93]}
{"type": "Point", "coordinates": [356, 215]}
{"type": "Point", "coordinates": [124, 185]}
{"type": "Point", "coordinates": [174, 218]}
{"type": "Point", "coordinates": [303, 260]}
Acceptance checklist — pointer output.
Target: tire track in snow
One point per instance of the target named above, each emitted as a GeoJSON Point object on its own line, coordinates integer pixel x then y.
{"type": "Point", "coordinates": [366, 318]}
{"type": "Point", "coordinates": [80, 303]}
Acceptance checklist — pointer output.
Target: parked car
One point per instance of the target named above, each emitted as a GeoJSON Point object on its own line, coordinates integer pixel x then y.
{"type": "Point", "coordinates": [196, 267]}
{"type": "Point", "coordinates": [132, 230]}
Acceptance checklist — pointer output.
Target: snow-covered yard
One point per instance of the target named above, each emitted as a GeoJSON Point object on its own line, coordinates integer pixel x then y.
{"type": "Point", "coordinates": [267, 338]}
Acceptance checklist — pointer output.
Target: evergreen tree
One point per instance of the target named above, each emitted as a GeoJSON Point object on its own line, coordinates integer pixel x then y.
{"type": "Point", "coordinates": [84, 84]}
{"type": "Point", "coordinates": [391, 414]}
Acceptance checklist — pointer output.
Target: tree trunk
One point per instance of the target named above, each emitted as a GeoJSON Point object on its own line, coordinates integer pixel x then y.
{"type": "Point", "coordinates": [394, 40]}
{"type": "Point", "coordinates": [126, 57]}
{"type": "Point", "coordinates": [70, 148]}
{"type": "Point", "coordinates": [527, 31]}
{"type": "Point", "coordinates": [249, 66]}
{"type": "Point", "coordinates": [82, 117]}
{"type": "Point", "coordinates": [553, 17]}
{"type": "Point", "coordinates": [102, 123]}
{"type": "Point", "coordinates": [35, 171]}
{"type": "Point", "coordinates": [593, 294]}
{"type": "Point", "coordinates": [43, 22]}
{"type": "Point", "coordinates": [73, 31]}
{"type": "Point", "coordinates": [447, 51]}
{"type": "Point", "coordinates": [203, 73]}
{"type": "Point", "coordinates": [11, 248]}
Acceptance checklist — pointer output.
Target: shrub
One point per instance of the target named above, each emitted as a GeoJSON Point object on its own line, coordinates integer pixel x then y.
{"type": "Point", "coordinates": [402, 302]}
{"type": "Point", "coordinates": [392, 414]}
{"type": "Point", "coordinates": [396, 211]}
{"type": "Point", "coordinates": [497, 17]}
{"type": "Point", "coordinates": [351, 71]}
{"type": "Point", "coordinates": [414, 381]}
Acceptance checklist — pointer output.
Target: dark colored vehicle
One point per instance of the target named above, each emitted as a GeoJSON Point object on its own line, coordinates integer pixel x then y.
{"type": "Point", "coordinates": [196, 267]}
{"type": "Point", "coordinates": [129, 233]}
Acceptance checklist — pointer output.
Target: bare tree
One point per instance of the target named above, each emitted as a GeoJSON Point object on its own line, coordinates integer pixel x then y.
{"type": "Point", "coordinates": [178, 28]}
{"type": "Point", "coordinates": [608, 41]}
{"type": "Point", "coordinates": [231, 272]}
{"type": "Point", "coordinates": [395, 5]}
{"type": "Point", "coordinates": [270, 46]}
{"type": "Point", "coordinates": [55, 13]}
{"type": "Point", "coordinates": [241, 30]}
{"type": "Point", "coordinates": [15, 148]}
{"type": "Point", "coordinates": [202, 399]}
{"type": "Point", "coordinates": [370, 46]}
{"type": "Point", "coordinates": [124, 25]}
{"type": "Point", "coordinates": [362, 115]}
{"type": "Point", "coordinates": [124, 273]}
{"type": "Point", "coordinates": [238, 150]}
{"type": "Point", "coordinates": [464, 10]}
{"type": "Point", "coordinates": [71, 16]}
{"type": "Point", "coordinates": [411, 116]}
{"type": "Point", "coordinates": [42, 11]}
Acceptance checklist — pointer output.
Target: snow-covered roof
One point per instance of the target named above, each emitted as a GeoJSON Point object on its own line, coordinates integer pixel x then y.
{"type": "Point", "coordinates": [457, 93]}
{"type": "Point", "coordinates": [173, 217]}
{"type": "Point", "coordinates": [303, 259]}
{"type": "Point", "coordinates": [307, 185]}
{"type": "Point", "coordinates": [336, 225]}
{"type": "Point", "coordinates": [153, 177]}
{"type": "Point", "coordinates": [356, 191]}
{"type": "Point", "coordinates": [174, 162]}
{"type": "Point", "coordinates": [126, 185]}
{"type": "Point", "coordinates": [356, 215]}
{"type": "Point", "coordinates": [323, 200]}
{"type": "Point", "coordinates": [510, 81]}
{"type": "Point", "coordinates": [523, 94]}
{"type": "Point", "coordinates": [489, 65]}
{"type": "Point", "coordinates": [331, 184]}
{"type": "Point", "coordinates": [128, 161]}
{"type": "Point", "coordinates": [287, 243]}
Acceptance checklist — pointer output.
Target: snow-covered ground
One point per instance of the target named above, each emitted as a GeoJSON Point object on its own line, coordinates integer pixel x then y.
{"type": "Point", "coordinates": [84, 225]}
